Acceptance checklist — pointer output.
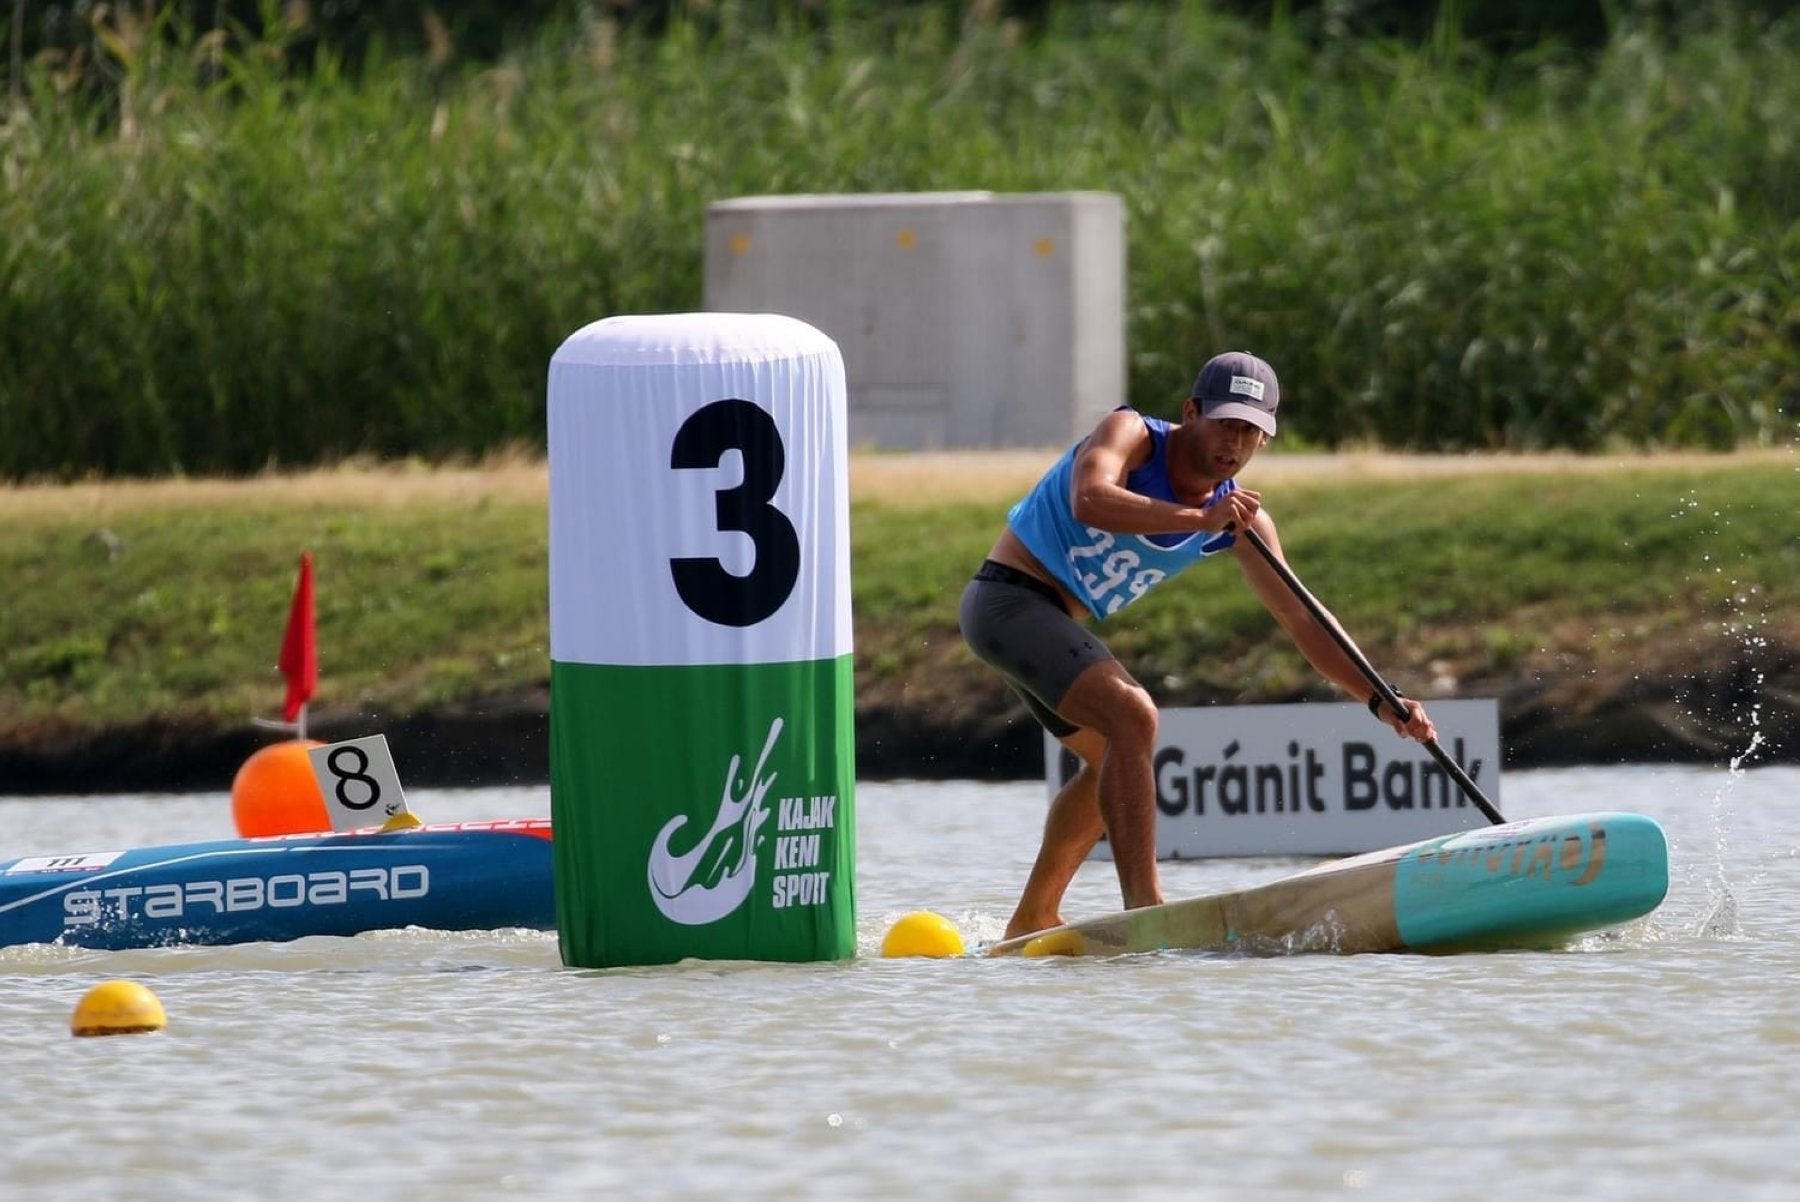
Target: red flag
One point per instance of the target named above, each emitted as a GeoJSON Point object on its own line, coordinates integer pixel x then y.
{"type": "Point", "coordinates": [299, 650]}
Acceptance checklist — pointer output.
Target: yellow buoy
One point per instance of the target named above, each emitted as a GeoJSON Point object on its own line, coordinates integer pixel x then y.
{"type": "Point", "coordinates": [118, 1008]}
{"type": "Point", "coordinates": [1062, 941]}
{"type": "Point", "coordinates": [922, 933]}
{"type": "Point", "coordinates": [275, 792]}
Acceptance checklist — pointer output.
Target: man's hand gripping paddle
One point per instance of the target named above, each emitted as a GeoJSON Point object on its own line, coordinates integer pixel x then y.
{"type": "Point", "coordinates": [1384, 692]}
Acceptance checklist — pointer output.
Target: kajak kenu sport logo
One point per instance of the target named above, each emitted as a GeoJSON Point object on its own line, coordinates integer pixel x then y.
{"type": "Point", "coordinates": [712, 880]}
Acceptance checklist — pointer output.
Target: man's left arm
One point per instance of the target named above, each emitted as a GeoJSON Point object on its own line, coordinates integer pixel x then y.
{"type": "Point", "coordinates": [1314, 642]}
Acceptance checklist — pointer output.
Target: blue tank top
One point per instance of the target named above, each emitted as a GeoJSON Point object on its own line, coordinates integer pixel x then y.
{"type": "Point", "coordinates": [1109, 571]}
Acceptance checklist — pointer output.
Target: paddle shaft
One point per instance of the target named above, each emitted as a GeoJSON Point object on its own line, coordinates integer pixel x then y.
{"type": "Point", "coordinates": [1383, 690]}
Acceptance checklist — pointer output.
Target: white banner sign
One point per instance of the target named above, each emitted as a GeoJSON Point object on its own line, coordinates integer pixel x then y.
{"type": "Point", "coordinates": [1280, 780]}
{"type": "Point", "coordinates": [359, 782]}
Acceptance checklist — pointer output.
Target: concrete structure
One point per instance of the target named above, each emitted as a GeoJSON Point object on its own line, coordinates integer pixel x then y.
{"type": "Point", "coordinates": [966, 319]}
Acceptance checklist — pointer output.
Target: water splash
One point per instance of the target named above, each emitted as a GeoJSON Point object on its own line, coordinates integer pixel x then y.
{"type": "Point", "coordinates": [1721, 920]}
{"type": "Point", "coordinates": [1746, 625]}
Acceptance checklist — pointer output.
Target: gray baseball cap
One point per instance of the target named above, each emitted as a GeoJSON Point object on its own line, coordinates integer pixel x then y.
{"type": "Point", "coordinates": [1238, 384]}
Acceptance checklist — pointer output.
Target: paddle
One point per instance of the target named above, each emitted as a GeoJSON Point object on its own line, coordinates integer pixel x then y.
{"type": "Point", "coordinates": [1383, 690]}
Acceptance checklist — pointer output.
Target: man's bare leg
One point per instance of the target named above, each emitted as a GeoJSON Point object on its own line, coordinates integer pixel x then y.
{"type": "Point", "coordinates": [1106, 699]}
{"type": "Point", "coordinates": [1118, 715]}
{"type": "Point", "coordinates": [1070, 832]}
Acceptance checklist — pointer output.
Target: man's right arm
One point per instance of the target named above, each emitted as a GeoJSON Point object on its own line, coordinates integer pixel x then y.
{"type": "Point", "coordinates": [1097, 494]}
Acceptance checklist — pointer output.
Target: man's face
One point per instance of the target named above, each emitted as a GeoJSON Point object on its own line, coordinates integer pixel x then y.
{"type": "Point", "coordinates": [1221, 446]}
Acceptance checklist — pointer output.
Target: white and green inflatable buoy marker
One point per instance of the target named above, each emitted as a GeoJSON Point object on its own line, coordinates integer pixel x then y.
{"type": "Point", "coordinates": [702, 740]}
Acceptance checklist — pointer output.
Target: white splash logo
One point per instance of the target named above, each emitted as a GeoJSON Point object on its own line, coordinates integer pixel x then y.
{"type": "Point", "coordinates": [713, 879]}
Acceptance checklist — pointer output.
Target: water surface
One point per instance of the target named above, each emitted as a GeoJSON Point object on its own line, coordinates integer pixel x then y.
{"type": "Point", "coordinates": [1661, 1062]}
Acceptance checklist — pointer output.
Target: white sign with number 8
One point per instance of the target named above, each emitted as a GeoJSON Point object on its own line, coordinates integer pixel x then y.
{"type": "Point", "coordinates": [359, 783]}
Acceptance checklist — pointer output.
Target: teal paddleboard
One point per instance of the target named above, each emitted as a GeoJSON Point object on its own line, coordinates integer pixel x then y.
{"type": "Point", "coordinates": [1530, 884]}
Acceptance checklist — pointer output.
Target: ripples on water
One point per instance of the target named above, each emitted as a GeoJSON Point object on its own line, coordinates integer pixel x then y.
{"type": "Point", "coordinates": [1660, 1062]}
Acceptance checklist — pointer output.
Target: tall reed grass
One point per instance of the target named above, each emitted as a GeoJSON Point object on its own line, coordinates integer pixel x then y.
{"type": "Point", "coordinates": [236, 263]}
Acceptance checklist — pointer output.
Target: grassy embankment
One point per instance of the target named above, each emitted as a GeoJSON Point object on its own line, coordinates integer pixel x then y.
{"type": "Point", "coordinates": [230, 257]}
{"type": "Point", "coordinates": [127, 601]}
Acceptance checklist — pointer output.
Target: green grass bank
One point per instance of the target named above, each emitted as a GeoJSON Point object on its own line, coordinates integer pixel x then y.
{"type": "Point", "coordinates": [227, 260]}
{"type": "Point", "coordinates": [1602, 601]}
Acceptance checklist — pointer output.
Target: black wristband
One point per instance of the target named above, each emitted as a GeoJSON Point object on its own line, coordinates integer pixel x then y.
{"type": "Point", "coordinates": [1375, 700]}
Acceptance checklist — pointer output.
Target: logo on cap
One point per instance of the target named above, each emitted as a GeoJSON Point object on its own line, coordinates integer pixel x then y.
{"type": "Point", "coordinates": [1245, 386]}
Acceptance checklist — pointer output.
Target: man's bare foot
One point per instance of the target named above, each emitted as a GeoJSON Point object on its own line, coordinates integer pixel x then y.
{"type": "Point", "coordinates": [1024, 925]}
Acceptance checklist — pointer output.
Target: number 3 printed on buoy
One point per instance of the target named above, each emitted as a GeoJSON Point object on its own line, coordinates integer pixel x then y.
{"type": "Point", "coordinates": [705, 586]}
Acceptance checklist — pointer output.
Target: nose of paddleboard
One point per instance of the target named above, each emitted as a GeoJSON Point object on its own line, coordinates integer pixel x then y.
{"type": "Point", "coordinates": [1542, 879]}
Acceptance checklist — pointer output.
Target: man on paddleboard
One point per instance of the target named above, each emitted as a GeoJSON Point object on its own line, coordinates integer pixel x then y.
{"type": "Point", "coordinates": [1130, 505]}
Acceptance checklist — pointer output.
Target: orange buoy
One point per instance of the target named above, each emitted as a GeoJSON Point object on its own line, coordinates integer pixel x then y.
{"type": "Point", "coordinates": [275, 793]}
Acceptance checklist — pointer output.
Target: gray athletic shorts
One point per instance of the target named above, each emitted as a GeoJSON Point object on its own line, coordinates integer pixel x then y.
{"type": "Point", "coordinates": [1017, 625]}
